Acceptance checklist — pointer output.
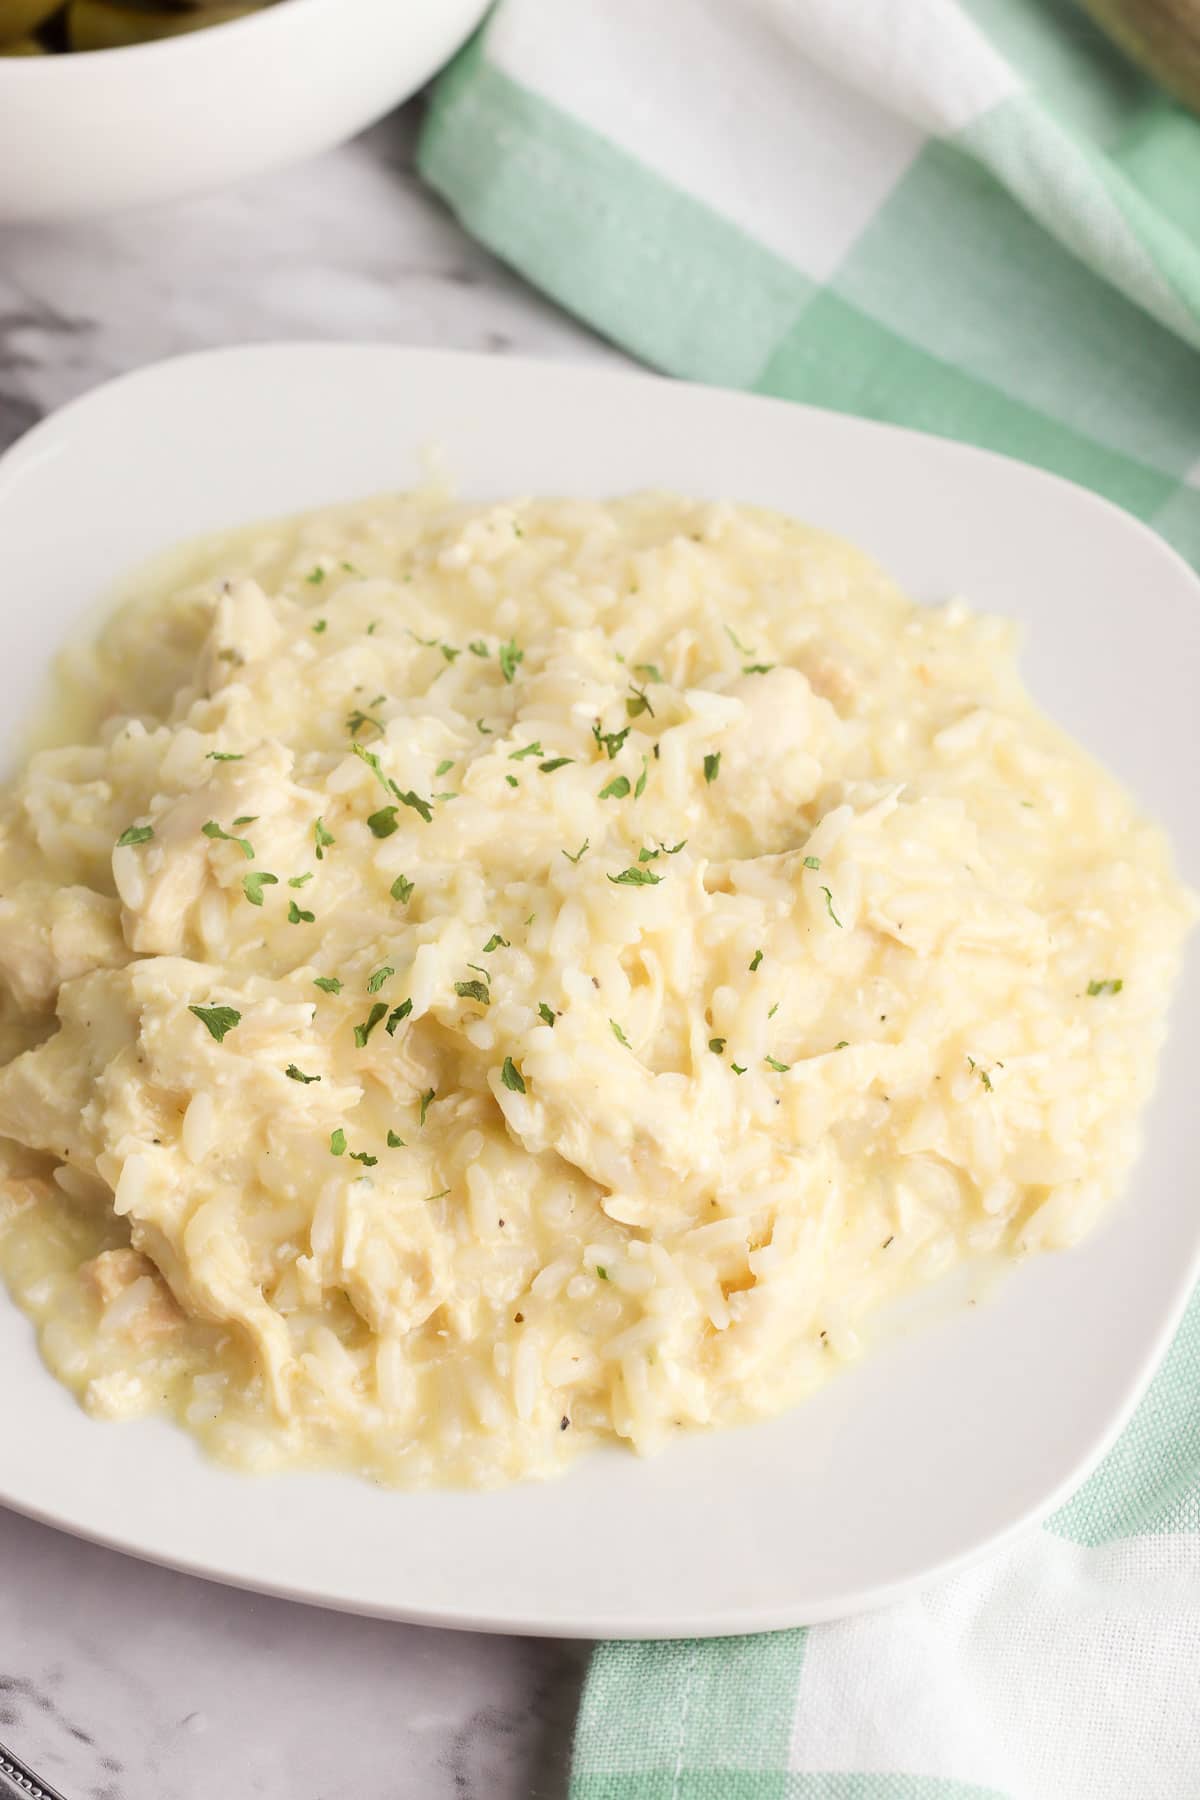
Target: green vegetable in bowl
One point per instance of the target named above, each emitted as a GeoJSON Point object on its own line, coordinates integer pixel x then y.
{"type": "Point", "coordinates": [33, 27]}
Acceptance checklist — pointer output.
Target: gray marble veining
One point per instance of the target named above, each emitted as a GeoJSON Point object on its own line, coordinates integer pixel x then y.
{"type": "Point", "coordinates": [119, 1681]}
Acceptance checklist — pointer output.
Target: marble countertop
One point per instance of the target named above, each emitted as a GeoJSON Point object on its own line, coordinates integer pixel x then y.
{"type": "Point", "coordinates": [119, 1681]}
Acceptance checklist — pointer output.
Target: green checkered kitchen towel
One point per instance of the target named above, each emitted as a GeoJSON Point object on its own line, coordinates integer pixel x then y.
{"type": "Point", "coordinates": [972, 217]}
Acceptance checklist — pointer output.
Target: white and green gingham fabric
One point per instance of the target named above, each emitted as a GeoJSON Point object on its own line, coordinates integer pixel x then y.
{"type": "Point", "coordinates": [972, 217]}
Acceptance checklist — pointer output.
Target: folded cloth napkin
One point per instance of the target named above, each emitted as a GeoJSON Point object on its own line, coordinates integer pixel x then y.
{"type": "Point", "coordinates": [972, 217]}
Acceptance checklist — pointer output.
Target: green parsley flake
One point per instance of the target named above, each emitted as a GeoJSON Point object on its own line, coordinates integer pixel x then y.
{"type": "Point", "coordinates": [717, 1045]}
{"type": "Point", "coordinates": [473, 990]}
{"type": "Point", "coordinates": [320, 625]}
{"type": "Point", "coordinates": [738, 1068]}
{"type": "Point", "coordinates": [635, 877]}
{"type": "Point", "coordinates": [443, 767]}
{"type": "Point", "coordinates": [337, 1143]}
{"type": "Point", "coordinates": [547, 1013]}
{"type": "Point", "coordinates": [329, 983]}
{"type": "Point", "coordinates": [315, 576]}
{"type": "Point", "coordinates": [844, 1045]}
{"type": "Point", "coordinates": [373, 627]}
{"type": "Point", "coordinates": [757, 668]}
{"type": "Point", "coordinates": [226, 756]}
{"type": "Point", "coordinates": [736, 641]}
{"type": "Point", "coordinates": [712, 766]}
{"type": "Point", "coordinates": [403, 889]}
{"type": "Point", "coordinates": [773, 1010]}
{"type": "Point", "coordinates": [617, 788]}
{"type": "Point", "coordinates": [478, 648]}
{"type": "Point", "coordinates": [602, 1273]}
{"type": "Point", "coordinates": [512, 1077]}
{"type": "Point", "coordinates": [1111, 986]}
{"type": "Point", "coordinates": [360, 1156]}
{"type": "Point", "coordinates": [649, 670]}
{"type": "Point", "coordinates": [757, 958]}
{"type": "Point", "coordinates": [586, 844]}
{"type": "Point", "coordinates": [773, 1062]}
{"type": "Point", "coordinates": [135, 834]}
{"type": "Point", "coordinates": [440, 1195]}
{"type": "Point", "coordinates": [397, 1013]}
{"type": "Point", "coordinates": [829, 908]}
{"type": "Point", "coordinates": [496, 942]}
{"type": "Point", "coordinates": [246, 819]}
{"type": "Point", "coordinates": [534, 749]}
{"type": "Point", "coordinates": [384, 822]}
{"type": "Point", "coordinates": [297, 915]}
{"type": "Point", "coordinates": [812, 862]}
{"type": "Point", "coordinates": [640, 789]}
{"type": "Point", "coordinates": [609, 741]}
{"type": "Point", "coordinates": [555, 762]}
{"type": "Point", "coordinates": [620, 1035]}
{"type": "Point", "coordinates": [427, 1100]}
{"type": "Point", "coordinates": [322, 838]}
{"type": "Point", "coordinates": [482, 729]}
{"type": "Point", "coordinates": [379, 977]}
{"type": "Point", "coordinates": [299, 881]}
{"type": "Point", "coordinates": [395, 1141]}
{"type": "Point", "coordinates": [637, 702]}
{"type": "Point", "coordinates": [509, 657]}
{"type": "Point", "coordinates": [213, 830]}
{"type": "Point", "coordinates": [362, 1032]}
{"type": "Point", "coordinates": [356, 720]}
{"type": "Point", "coordinates": [217, 1019]}
{"type": "Point", "coordinates": [295, 1074]}
{"type": "Point", "coordinates": [254, 883]}
{"type": "Point", "coordinates": [512, 781]}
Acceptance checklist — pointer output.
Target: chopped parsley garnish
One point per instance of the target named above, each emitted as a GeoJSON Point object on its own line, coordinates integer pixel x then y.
{"type": "Point", "coordinates": [337, 1143]}
{"type": "Point", "coordinates": [736, 641]}
{"type": "Point", "coordinates": [555, 762]}
{"type": "Point", "coordinates": [217, 1019]}
{"type": "Point", "coordinates": [329, 983]}
{"type": "Point", "coordinates": [360, 1156]}
{"type": "Point", "coordinates": [478, 648]}
{"type": "Point", "coordinates": [738, 1068]}
{"type": "Point", "coordinates": [547, 1013]}
{"type": "Point", "coordinates": [373, 627]}
{"type": "Point", "coordinates": [473, 990]}
{"type": "Point", "coordinates": [637, 702]}
{"type": "Point", "coordinates": [986, 1079]}
{"type": "Point", "coordinates": [226, 756]}
{"type": "Point", "coordinates": [351, 570]}
{"type": "Point", "coordinates": [1111, 986]}
{"type": "Point", "coordinates": [534, 749]}
{"type": "Point", "coordinates": [636, 877]}
{"type": "Point", "coordinates": [510, 656]}
{"type": "Point", "coordinates": [362, 1032]}
{"type": "Point", "coordinates": [482, 729]}
{"type": "Point", "coordinates": [512, 781]}
{"type": "Point", "coordinates": [397, 1013]}
{"type": "Point", "coordinates": [773, 1010]}
{"type": "Point", "coordinates": [246, 819]}
{"type": "Point", "coordinates": [379, 977]}
{"type": "Point", "coordinates": [496, 942]}
{"type": "Point", "coordinates": [717, 1045]}
{"type": "Point", "coordinates": [617, 788]}
{"type": "Point", "coordinates": [254, 883]}
{"type": "Point", "coordinates": [135, 834]}
{"type": "Point", "coordinates": [323, 839]}
{"type": "Point", "coordinates": [297, 915]}
{"type": "Point", "coordinates": [829, 907]}
{"type": "Point", "coordinates": [213, 830]}
{"type": "Point", "coordinates": [402, 889]}
{"type": "Point", "coordinates": [320, 625]}
{"type": "Point", "coordinates": [586, 844]}
{"type": "Point", "coordinates": [610, 741]}
{"type": "Point", "coordinates": [395, 1141]}
{"type": "Point", "coordinates": [649, 670]}
{"type": "Point", "coordinates": [427, 1100]}
{"type": "Point", "coordinates": [383, 822]}
{"type": "Point", "coordinates": [295, 1074]}
{"type": "Point", "coordinates": [299, 881]}
{"type": "Point", "coordinates": [440, 1195]}
{"type": "Point", "coordinates": [712, 766]}
{"type": "Point", "coordinates": [812, 862]}
{"type": "Point", "coordinates": [602, 1273]}
{"type": "Point", "coordinates": [512, 1077]}
{"type": "Point", "coordinates": [315, 576]}
{"type": "Point", "coordinates": [755, 960]}
{"type": "Point", "coordinates": [844, 1045]}
{"type": "Point", "coordinates": [773, 1062]}
{"type": "Point", "coordinates": [640, 789]}
{"type": "Point", "coordinates": [357, 719]}
{"type": "Point", "coordinates": [443, 767]}
{"type": "Point", "coordinates": [620, 1035]}
{"type": "Point", "coordinates": [757, 668]}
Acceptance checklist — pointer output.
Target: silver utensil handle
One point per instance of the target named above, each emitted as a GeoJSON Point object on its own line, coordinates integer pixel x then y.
{"type": "Point", "coordinates": [20, 1783]}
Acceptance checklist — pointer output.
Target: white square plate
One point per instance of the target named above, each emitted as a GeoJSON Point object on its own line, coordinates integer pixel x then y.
{"type": "Point", "coordinates": [952, 1437]}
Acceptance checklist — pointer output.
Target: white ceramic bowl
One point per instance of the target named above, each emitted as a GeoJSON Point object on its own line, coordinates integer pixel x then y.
{"type": "Point", "coordinates": [113, 128]}
{"type": "Point", "coordinates": [948, 1439]}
